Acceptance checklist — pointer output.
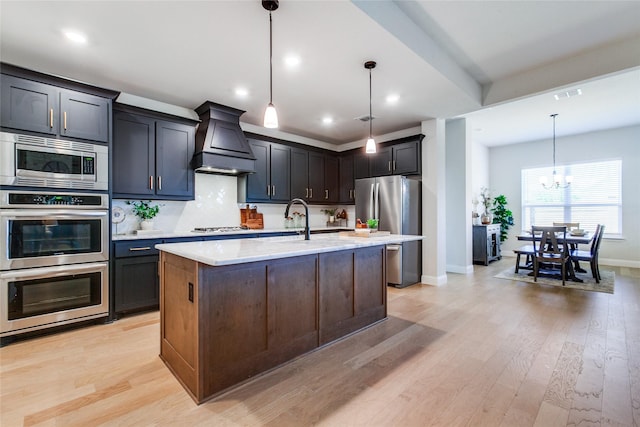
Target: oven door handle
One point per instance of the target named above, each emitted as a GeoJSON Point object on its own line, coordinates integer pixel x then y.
{"type": "Point", "coordinates": [52, 214]}
{"type": "Point", "coordinates": [45, 272]}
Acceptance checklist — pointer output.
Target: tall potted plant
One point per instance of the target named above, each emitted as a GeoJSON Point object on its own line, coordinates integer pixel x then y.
{"type": "Point", "coordinates": [143, 210]}
{"type": "Point", "coordinates": [502, 216]}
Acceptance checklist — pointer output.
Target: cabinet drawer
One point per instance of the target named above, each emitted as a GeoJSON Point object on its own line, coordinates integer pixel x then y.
{"type": "Point", "coordinates": [136, 248]}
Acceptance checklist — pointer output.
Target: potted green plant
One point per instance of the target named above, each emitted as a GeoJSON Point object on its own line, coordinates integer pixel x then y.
{"type": "Point", "coordinates": [502, 216]}
{"type": "Point", "coordinates": [331, 212]}
{"type": "Point", "coordinates": [372, 223]}
{"type": "Point", "coordinates": [143, 210]}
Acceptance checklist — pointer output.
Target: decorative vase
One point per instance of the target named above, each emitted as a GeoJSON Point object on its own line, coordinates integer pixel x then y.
{"type": "Point", "coordinates": [486, 218]}
{"type": "Point", "coordinates": [146, 224]}
{"type": "Point", "coordinates": [332, 218]}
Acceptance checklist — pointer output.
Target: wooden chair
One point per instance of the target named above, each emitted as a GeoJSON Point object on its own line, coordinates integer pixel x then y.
{"type": "Point", "coordinates": [551, 250]}
{"type": "Point", "coordinates": [592, 255]}
{"type": "Point", "coordinates": [528, 251]}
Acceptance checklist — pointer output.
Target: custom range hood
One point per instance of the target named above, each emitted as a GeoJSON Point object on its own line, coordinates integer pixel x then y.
{"type": "Point", "coordinates": [221, 146]}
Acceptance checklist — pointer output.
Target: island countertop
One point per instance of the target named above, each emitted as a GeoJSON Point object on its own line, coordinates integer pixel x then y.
{"type": "Point", "coordinates": [238, 251]}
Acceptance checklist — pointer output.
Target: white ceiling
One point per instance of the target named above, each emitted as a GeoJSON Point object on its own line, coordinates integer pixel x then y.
{"type": "Point", "coordinates": [497, 63]}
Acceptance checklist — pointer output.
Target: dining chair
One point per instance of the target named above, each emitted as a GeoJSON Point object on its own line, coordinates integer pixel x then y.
{"type": "Point", "coordinates": [551, 250]}
{"type": "Point", "coordinates": [528, 251]}
{"type": "Point", "coordinates": [591, 255]}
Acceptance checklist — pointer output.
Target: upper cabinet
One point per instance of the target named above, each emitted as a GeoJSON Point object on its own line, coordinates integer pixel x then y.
{"type": "Point", "coordinates": [347, 179]}
{"type": "Point", "coordinates": [32, 106]}
{"type": "Point", "coordinates": [270, 182]}
{"type": "Point", "coordinates": [400, 157]}
{"type": "Point", "coordinates": [152, 155]}
{"type": "Point", "coordinates": [314, 176]}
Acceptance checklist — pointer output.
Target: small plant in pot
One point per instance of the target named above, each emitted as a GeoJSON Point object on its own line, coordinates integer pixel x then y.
{"type": "Point", "coordinates": [331, 213]}
{"type": "Point", "coordinates": [143, 210]}
{"type": "Point", "coordinates": [372, 223]}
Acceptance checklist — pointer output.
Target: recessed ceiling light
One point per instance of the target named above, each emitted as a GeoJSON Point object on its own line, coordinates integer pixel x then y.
{"type": "Point", "coordinates": [327, 120]}
{"type": "Point", "coordinates": [292, 61]}
{"type": "Point", "coordinates": [241, 92]}
{"type": "Point", "coordinates": [75, 36]}
{"type": "Point", "coordinates": [392, 98]}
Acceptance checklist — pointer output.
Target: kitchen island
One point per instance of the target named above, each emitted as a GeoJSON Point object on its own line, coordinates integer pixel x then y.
{"type": "Point", "coordinates": [232, 309]}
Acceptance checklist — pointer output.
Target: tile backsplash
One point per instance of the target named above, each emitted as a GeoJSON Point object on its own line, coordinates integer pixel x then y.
{"type": "Point", "coordinates": [216, 205]}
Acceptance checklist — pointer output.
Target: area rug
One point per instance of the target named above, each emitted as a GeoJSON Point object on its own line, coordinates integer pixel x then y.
{"type": "Point", "coordinates": [606, 284]}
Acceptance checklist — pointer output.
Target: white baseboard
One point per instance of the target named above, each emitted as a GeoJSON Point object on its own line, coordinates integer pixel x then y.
{"type": "Point", "coordinates": [460, 269]}
{"type": "Point", "coordinates": [434, 280]}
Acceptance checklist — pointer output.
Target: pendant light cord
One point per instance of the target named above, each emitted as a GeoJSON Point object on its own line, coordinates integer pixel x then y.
{"type": "Point", "coordinates": [270, 59]}
{"type": "Point", "coordinates": [370, 116]}
{"type": "Point", "coordinates": [554, 142]}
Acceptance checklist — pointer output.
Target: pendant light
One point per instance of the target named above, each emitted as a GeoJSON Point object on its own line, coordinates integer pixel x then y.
{"type": "Point", "coordinates": [370, 148]}
{"type": "Point", "coordinates": [270, 114]}
{"type": "Point", "coordinates": [557, 180]}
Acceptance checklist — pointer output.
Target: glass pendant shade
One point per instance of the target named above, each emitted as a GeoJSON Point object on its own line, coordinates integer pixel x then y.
{"type": "Point", "coordinates": [371, 146]}
{"type": "Point", "coordinates": [270, 117]}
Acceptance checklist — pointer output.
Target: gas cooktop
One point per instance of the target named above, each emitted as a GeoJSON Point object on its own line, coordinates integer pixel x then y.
{"type": "Point", "coordinates": [219, 229]}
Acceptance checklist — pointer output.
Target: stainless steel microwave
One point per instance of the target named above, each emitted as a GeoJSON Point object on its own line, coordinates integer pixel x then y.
{"type": "Point", "coordinates": [33, 161]}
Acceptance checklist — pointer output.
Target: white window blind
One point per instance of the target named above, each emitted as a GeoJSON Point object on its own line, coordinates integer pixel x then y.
{"type": "Point", "coordinates": [594, 196]}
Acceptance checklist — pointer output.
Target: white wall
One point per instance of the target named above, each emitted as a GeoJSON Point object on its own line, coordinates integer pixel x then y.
{"type": "Point", "coordinates": [507, 161]}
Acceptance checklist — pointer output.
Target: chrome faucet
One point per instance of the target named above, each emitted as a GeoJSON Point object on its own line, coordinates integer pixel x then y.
{"type": "Point", "coordinates": [307, 232]}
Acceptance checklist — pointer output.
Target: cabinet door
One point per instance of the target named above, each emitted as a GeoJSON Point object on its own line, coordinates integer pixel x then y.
{"type": "Point", "coordinates": [258, 182]}
{"type": "Point", "coordinates": [175, 145]}
{"type": "Point", "coordinates": [361, 165]}
{"type": "Point", "coordinates": [30, 106]}
{"type": "Point", "coordinates": [133, 155]}
{"type": "Point", "coordinates": [380, 162]}
{"type": "Point", "coordinates": [299, 174]}
{"type": "Point", "coordinates": [331, 179]}
{"type": "Point", "coordinates": [84, 116]}
{"type": "Point", "coordinates": [347, 183]}
{"type": "Point", "coordinates": [316, 177]}
{"type": "Point", "coordinates": [280, 167]}
{"type": "Point", "coordinates": [406, 158]}
{"type": "Point", "coordinates": [136, 284]}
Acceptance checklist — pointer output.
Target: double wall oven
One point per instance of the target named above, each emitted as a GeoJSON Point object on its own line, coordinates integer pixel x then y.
{"type": "Point", "coordinates": [55, 243]}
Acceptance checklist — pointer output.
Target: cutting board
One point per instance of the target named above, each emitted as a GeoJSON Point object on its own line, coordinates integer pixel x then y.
{"type": "Point", "coordinates": [251, 218]}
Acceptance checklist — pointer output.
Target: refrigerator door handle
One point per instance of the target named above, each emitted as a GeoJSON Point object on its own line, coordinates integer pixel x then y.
{"type": "Point", "coordinates": [371, 201]}
{"type": "Point", "coordinates": [377, 201]}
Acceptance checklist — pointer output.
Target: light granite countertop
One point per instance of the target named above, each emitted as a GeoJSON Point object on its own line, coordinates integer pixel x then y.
{"type": "Point", "coordinates": [167, 234]}
{"type": "Point", "coordinates": [238, 251]}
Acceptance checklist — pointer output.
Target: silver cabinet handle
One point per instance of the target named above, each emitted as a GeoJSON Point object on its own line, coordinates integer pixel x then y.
{"type": "Point", "coordinates": [326, 194]}
{"type": "Point", "coordinates": [273, 190]}
{"type": "Point", "coordinates": [51, 118]}
{"type": "Point", "coordinates": [151, 182]}
{"type": "Point", "coordinates": [389, 165]}
{"type": "Point", "coordinates": [65, 120]}
{"type": "Point", "coordinates": [159, 182]}
{"type": "Point", "coordinates": [311, 193]}
{"type": "Point", "coordinates": [268, 190]}
{"type": "Point", "coordinates": [307, 193]}
{"type": "Point", "coordinates": [394, 165]}
{"type": "Point", "coordinates": [145, 248]}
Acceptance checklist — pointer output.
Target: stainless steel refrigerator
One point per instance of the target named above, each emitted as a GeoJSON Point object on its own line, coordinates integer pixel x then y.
{"type": "Point", "coordinates": [396, 201]}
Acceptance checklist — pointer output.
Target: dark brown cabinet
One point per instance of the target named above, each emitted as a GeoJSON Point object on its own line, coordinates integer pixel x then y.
{"type": "Point", "coordinates": [32, 106]}
{"type": "Point", "coordinates": [262, 314]}
{"type": "Point", "coordinates": [347, 179]}
{"type": "Point", "coordinates": [486, 243]}
{"type": "Point", "coordinates": [271, 180]}
{"type": "Point", "coordinates": [331, 179]}
{"type": "Point", "coordinates": [398, 159]}
{"type": "Point", "coordinates": [152, 157]}
{"type": "Point", "coordinates": [314, 176]}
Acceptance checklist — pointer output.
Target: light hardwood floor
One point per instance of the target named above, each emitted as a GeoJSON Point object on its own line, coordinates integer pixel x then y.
{"type": "Point", "coordinates": [478, 351]}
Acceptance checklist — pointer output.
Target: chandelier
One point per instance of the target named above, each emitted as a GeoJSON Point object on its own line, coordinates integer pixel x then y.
{"type": "Point", "coordinates": [557, 180]}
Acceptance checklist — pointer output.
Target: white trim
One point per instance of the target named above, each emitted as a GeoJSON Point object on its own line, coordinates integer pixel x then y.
{"type": "Point", "coordinates": [436, 281]}
{"type": "Point", "coordinates": [460, 269]}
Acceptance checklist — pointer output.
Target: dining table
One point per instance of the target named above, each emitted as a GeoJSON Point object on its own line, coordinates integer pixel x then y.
{"type": "Point", "coordinates": [573, 240]}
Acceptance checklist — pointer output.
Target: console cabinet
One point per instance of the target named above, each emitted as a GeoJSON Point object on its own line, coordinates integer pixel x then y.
{"type": "Point", "coordinates": [32, 106]}
{"type": "Point", "coordinates": [486, 243]}
{"type": "Point", "coordinates": [152, 157]}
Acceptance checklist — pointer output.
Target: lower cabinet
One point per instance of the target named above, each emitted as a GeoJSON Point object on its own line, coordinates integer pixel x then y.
{"type": "Point", "coordinates": [221, 325]}
{"type": "Point", "coordinates": [486, 243]}
{"type": "Point", "coordinates": [135, 279]}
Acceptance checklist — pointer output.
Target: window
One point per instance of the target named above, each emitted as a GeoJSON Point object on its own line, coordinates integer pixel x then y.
{"type": "Point", "coordinates": [594, 196]}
